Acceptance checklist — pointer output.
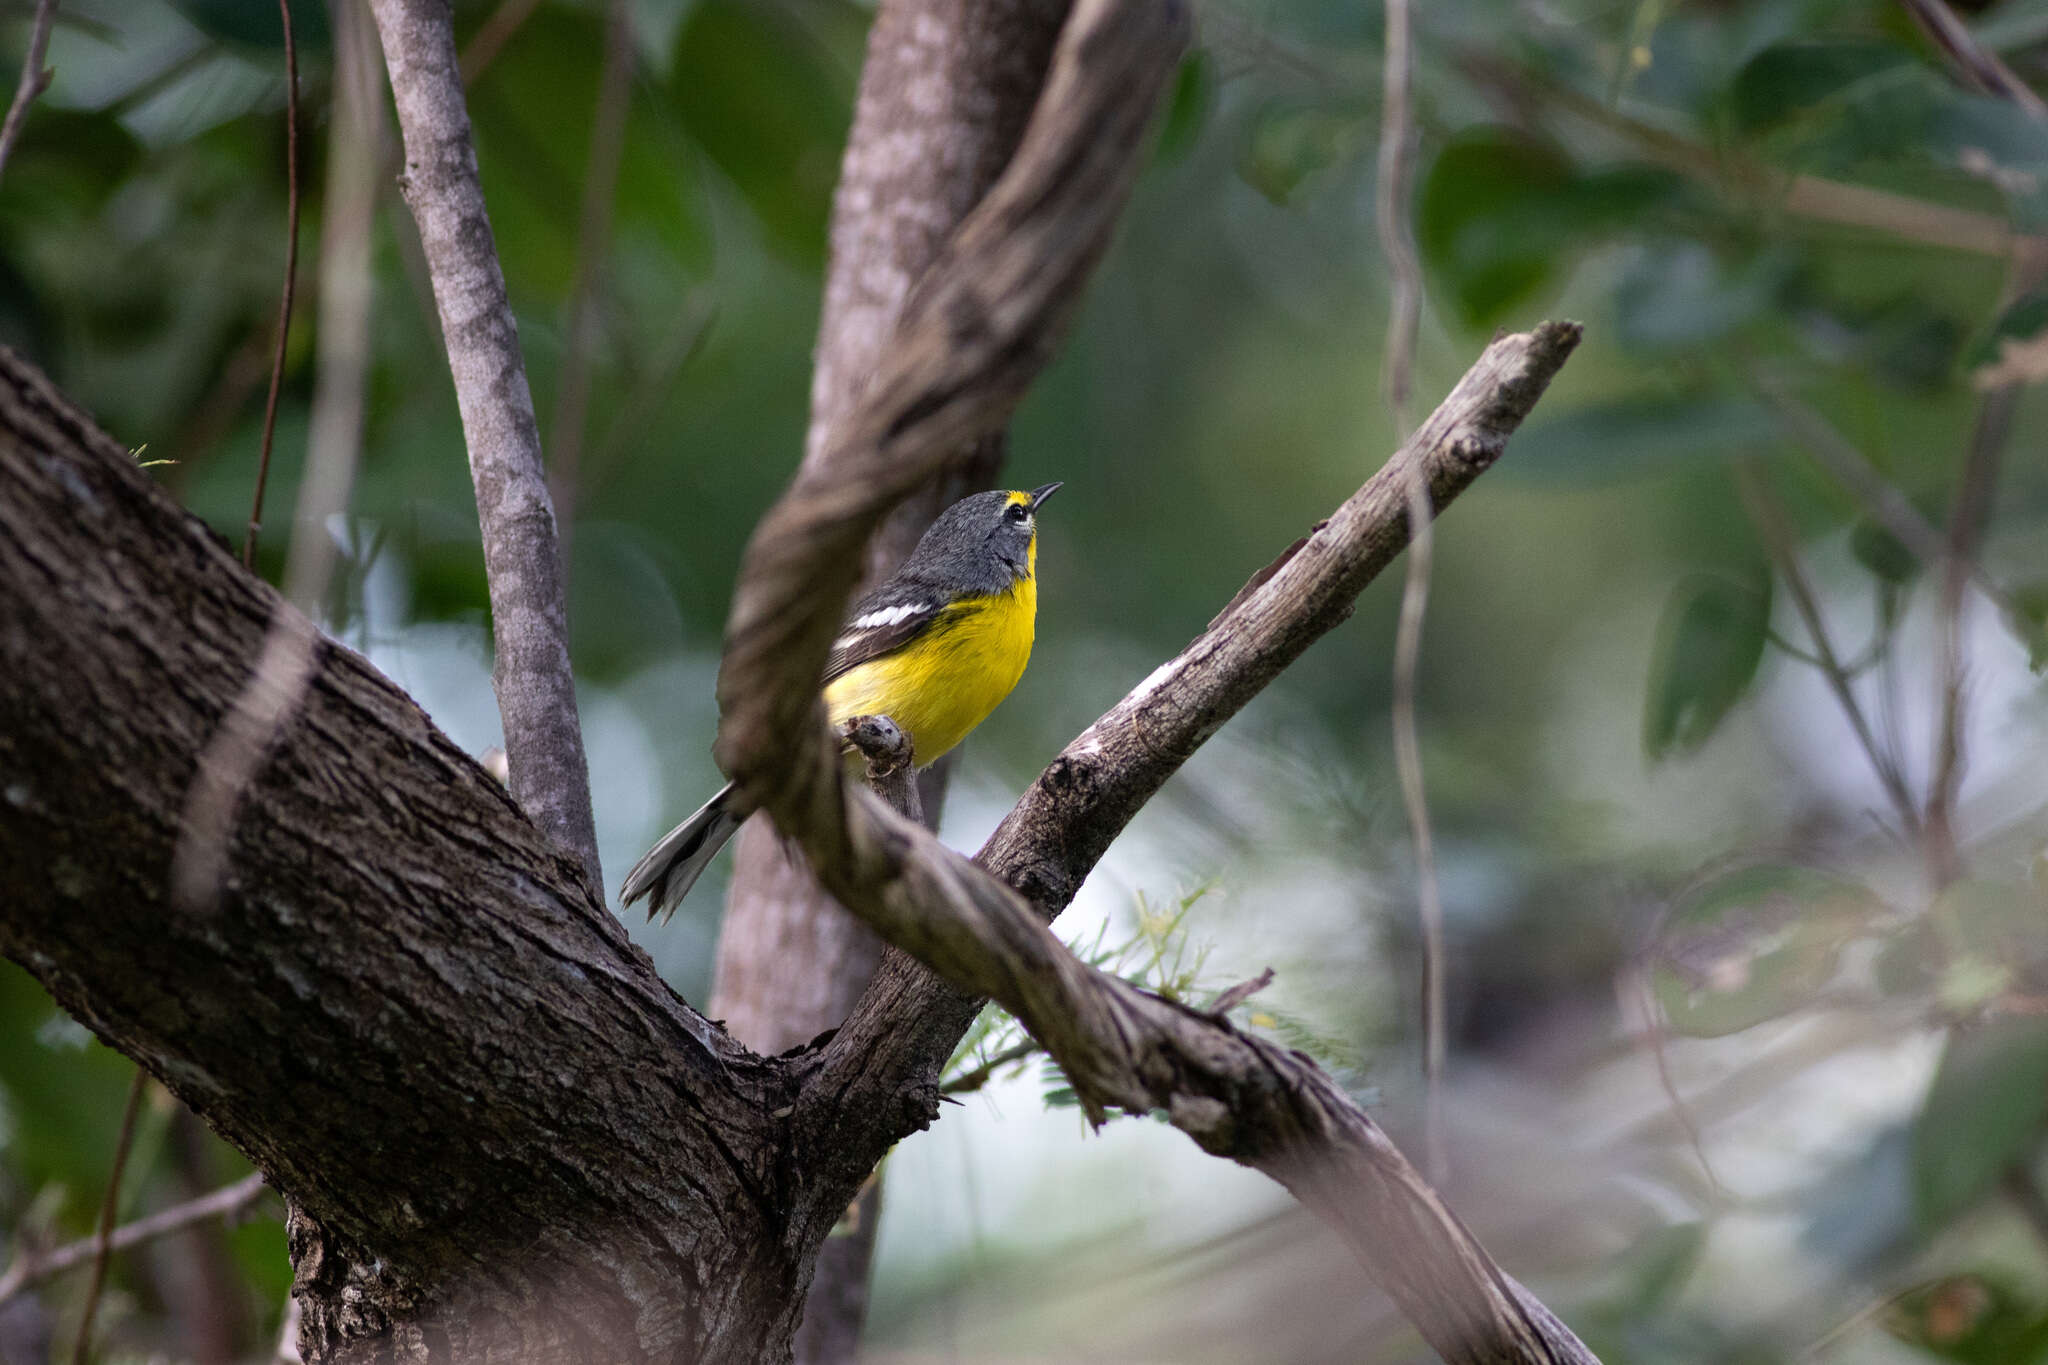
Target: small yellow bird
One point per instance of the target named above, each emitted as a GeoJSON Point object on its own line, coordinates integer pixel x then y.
{"type": "Point", "coordinates": [935, 649]}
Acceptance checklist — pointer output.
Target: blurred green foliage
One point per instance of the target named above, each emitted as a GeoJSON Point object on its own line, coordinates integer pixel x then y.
{"type": "Point", "coordinates": [1634, 768]}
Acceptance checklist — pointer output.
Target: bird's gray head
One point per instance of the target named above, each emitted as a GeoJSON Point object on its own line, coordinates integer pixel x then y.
{"type": "Point", "coordinates": [982, 543]}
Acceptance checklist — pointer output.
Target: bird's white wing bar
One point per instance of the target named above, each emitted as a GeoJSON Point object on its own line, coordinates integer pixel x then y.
{"type": "Point", "coordinates": [887, 616]}
{"type": "Point", "coordinates": [878, 629]}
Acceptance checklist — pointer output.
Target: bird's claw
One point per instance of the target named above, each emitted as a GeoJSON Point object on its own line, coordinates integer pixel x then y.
{"type": "Point", "coordinates": [881, 740]}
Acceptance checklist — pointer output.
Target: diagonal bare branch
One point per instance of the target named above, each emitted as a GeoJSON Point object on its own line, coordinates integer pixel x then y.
{"type": "Point", "coordinates": [33, 1267]}
{"type": "Point", "coordinates": [1065, 822]}
{"type": "Point", "coordinates": [1238, 1096]}
{"type": "Point", "coordinates": [1980, 68]}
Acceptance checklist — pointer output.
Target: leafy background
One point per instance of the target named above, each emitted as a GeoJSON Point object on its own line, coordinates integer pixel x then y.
{"type": "Point", "coordinates": [1735, 1076]}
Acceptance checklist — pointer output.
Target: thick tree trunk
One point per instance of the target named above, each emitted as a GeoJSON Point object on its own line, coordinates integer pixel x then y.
{"type": "Point", "coordinates": [501, 1136]}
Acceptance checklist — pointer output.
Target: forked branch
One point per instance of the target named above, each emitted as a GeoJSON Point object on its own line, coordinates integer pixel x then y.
{"type": "Point", "coordinates": [1237, 1095]}
{"type": "Point", "coordinates": [976, 332]}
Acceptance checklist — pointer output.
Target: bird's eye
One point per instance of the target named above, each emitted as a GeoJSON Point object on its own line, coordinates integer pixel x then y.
{"type": "Point", "coordinates": [1017, 512]}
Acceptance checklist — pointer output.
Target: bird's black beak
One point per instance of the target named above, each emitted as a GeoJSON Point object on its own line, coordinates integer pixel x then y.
{"type": "Point", "coordinates": [1039, 495]}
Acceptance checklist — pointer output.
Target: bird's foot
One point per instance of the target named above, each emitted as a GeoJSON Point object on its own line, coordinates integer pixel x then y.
{"type": "Point", "coordinates": [884, 743]}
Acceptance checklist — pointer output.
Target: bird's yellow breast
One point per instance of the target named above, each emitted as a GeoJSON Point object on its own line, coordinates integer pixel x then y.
{"type": "Point", "coordinates": [944, 683]}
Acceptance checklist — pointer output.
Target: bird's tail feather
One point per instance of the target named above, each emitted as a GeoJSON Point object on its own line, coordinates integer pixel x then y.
{"type": "Point", "coordinates": [673, 865]}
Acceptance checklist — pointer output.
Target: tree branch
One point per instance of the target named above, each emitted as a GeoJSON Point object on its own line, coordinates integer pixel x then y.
{"type": "Point", "coordinates": [529, 617]}
{"type": "Point", "coordinates": [289, 289]}
{"type": "Point", "coordinates": [1779, 539]}
{"type": "Point", "coordinates": [35, 79]}
{"type": "Point", "coordinates": [1980, 68]}
{"type": "Point", "coordinates": [1238, 1096]}
{"type": "Point", "coordinates": [888, 1054]}
{"type": "Point", "coordinates": [31, 1268]}
{"type": "Point", "coordinates": [593, 243]}
{"type": "Point", "coordinates": [485, 1110]}
{"type": "Point", "coordinates": [1065, 822]}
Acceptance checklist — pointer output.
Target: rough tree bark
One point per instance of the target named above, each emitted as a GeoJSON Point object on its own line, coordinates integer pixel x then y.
{"type": "Point", "coordinates": [496, 1125]}
{"type": "Point", "coordinates": [504, 1138]}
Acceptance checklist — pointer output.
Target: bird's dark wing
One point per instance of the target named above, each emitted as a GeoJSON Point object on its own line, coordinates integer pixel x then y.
{"type": "Point", "coordinates": [883, 622]}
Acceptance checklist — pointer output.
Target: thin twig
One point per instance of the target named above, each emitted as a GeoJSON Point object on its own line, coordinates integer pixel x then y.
{"type": "Point", "coordinates": [32, 1268]}
{"type": "Point", "coordinates": [35, 79]}
{"type": "Point", "coordinates": [975, 1078]}
{"type": "Point", "coordinates": [1967, 519]}
{"type": "Point", "coordinates": [1391, 212]}
{"type": "Point", "coordinates": [1811, 197]}
{"type": "Point", "coordinates": [1980, 68]}
{"type": "Point", "coordinates": [593, 233]}
{"type": "Point", "coordinates": [291, 271]}
{"type": "Point", "coordinates": [103, 1241]}
{"type": "Point", "coordinates": [492, 35]}
{"type": "Point", "coordinates": [1241, 992]}
{"type": "Point", "coordinates": [1657, 1037]}
{"type": "Point", "coordinates": [1397, 142]}
{"type": "Point", "coordinates": [1881, 500]}
{"type": "Point", "coordinates": [1834, 1335]}
{"type": "Point", "coordinates": [1771, 524]}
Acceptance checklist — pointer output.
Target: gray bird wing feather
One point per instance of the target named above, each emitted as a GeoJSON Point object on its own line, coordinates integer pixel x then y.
{"type": "Point", "coordinates": [899, 611]}
{"type": "Point", "coordinates": [906, 610]}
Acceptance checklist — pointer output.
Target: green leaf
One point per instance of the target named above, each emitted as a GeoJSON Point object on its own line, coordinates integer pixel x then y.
{"type": "Point", "coordinates": [1290, 143]}
{"type": "Point", "coordinates": [1708, 648]}
{"type": "Point", "coordinates": [1972, 1318]}
{"type": "Point", "coordinates": [1500, 213]}
{"type": "Point", "coordinates": [1466, 216]}
{"type": "Point", "coordinates": [259, 24]}
{"type": "Point", "coordinates": [1883, 553]}
{"type": "Point", "coordinates": [1790, 78]}
{"type": "Point", "coordinates": [1991, 919]}
{"type": "Point", "coordinates": [63, 1095]}
{"type": "Point", "coordinates": [1683, 293]}
{"type": "Point", "coordinates": [1660, 1261]}
{"type": "Point", "coordinates": [1187, 108]}
{"type": "Point", "coordinates": [1754, 945]}
{"type": "Point", "coordinates": [1633, 437]}
{"type": "Point", "coordinates": [2026, 617]}
{"type": "Point", "coordinates": [2015, 349]}
{"type": "Point", "coordinates": [2014, 24]}
{"type": "Point", "coordinates": [769, 108]}
{"type": "Point", "coordinates": [1983, 1112]}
